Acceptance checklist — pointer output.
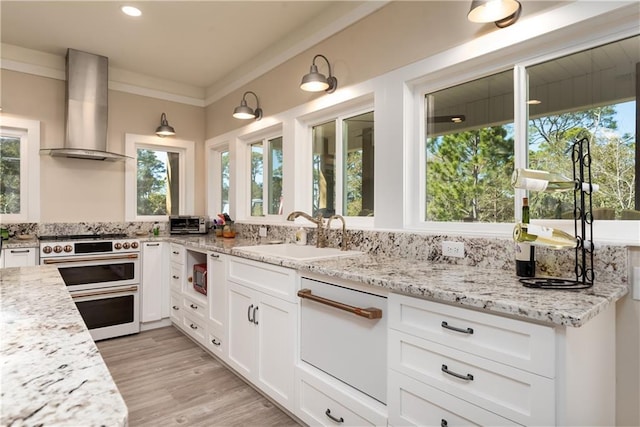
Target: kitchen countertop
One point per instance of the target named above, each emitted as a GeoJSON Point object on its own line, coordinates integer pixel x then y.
{"type": "Point", "coordinates": [52, 372]}
{"type": "Point", "coordinates": [491, 290]}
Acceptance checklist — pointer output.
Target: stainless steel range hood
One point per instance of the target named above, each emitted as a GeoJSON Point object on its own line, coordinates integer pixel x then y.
{"type": "Point", "coordinates": [86, 108]}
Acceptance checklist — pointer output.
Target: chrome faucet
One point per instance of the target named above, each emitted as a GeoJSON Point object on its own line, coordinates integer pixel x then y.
{"type": "Point", "coordinates": [321, 241]}
{"type": "Point", "coordinates": [344, 245]}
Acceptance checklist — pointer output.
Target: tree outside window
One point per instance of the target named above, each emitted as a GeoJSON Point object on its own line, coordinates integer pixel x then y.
{"type": "Point", "coordinates": [9, 174]}
{"type": "Point", "coordinates": [157, 182]}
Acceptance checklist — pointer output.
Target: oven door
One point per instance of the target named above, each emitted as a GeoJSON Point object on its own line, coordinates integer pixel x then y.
{"type": "Point", "coordinates": [109, 312]}
{"type": "Point", "coordinates": [97, 271]}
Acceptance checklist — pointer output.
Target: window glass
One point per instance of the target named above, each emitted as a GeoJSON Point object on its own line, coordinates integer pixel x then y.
{"type": "Point", "coordinates": [158, 183]}
{"type": "Point", "coordinates": [358, 165]}
{"type": "Point", "coordinates": [324, 180]}
{"type": "Point", "coordinates": [10, 173]}
{"type": "Point", "coordinates": [257, 178]}
{"type": "Point", "coordinates": [224, 180]}
{"type": "Point", "coordinates": [469, 151]}
{"type": "Point", "coordinates": [275, 176]}
{"type": "Point", "coordinates": [589, 94]}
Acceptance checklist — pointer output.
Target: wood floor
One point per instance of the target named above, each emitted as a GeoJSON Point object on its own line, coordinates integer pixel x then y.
{"type": "Point", "coordinates": [167, 380]}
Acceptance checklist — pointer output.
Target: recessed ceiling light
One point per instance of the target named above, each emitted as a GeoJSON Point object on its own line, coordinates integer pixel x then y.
{"type": "Point", "coordinates": [131, 11]}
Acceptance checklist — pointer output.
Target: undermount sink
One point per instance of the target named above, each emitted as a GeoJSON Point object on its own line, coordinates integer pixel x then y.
{"type": "Point", "coordinates": [297, 252]}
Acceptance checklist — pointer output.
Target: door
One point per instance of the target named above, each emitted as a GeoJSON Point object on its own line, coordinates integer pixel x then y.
{"type": "Point", "coordinates": [242, 331]}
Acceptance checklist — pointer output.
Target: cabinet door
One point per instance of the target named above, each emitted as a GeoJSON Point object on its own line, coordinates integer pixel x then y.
{"type": "Point", "coordinates": [276, 324]}
{"type": "Point", "coordinates": [242, 331]}
{"type": "Point", "coordinates": [20, 257]}
{"type": "Point", "coordinates": [152, 282]}
{"type": "Point", "coordinates": [217, 292]}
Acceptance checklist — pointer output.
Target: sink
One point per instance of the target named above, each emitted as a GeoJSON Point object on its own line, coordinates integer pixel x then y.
{"type": "Point", "coordinates": [297, 252]}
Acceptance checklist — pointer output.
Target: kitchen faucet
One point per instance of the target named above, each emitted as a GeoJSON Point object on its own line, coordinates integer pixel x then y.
{"type": "Point", "coordinates": [318, 220]}
{"type": "Point", "coordinates": [344, 245]}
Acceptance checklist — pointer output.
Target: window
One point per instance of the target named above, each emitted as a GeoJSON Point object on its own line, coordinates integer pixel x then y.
{"type": "Point", "coordinates": [159, 182]}
{"type": "Point", "coordinates": [469, 151]}
{"type": "Point", "coordinates": [266, 177]}
{"type": "Point", "coordinates": [19, 169]}
{"type": "Point", "coordinates": [224, 180]}
{"type": "Point", "coordinates": [588, 94]}
{"type": "Point", "coordinates": [470, 146]}
{"type": "Point", "coordinates": [349, 143]}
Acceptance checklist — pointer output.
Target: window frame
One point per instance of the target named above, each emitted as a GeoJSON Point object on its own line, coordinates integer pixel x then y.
{"type": "Point", "coordinates": [214, 176]}
{"type": "Point", "coordinates": [263, 137]}
{"type": "Point", "coordinates": [186, 151]}
{"type": "Point", "coordinates": [29, 133]}
{"type": "Point", "coordinates": [464, 71]}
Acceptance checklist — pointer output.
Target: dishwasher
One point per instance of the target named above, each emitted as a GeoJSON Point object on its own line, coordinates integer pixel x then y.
{"type": "Point", "coordinates": [343, 332]}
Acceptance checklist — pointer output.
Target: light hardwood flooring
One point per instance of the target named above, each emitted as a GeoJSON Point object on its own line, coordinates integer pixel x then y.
{"type": "Point", "coordinates": [167, 380]}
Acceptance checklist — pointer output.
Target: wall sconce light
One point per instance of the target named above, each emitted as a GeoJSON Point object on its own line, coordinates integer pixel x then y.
{"type": "Point", "coordinates": [244, 112]}
{"type": "Point", "coordinates": [164, 129]}
{"type": "Point", "coordinates": [501, 12]}
{"type": "Point", "coordinates": [316, 82]}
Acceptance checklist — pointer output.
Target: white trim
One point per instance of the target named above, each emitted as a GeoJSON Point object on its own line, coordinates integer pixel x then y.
{"type": "Point", "coordinates": [30, 169]}
{"type": "Point", "coordinates": [213, 153]}
{"type": "Point", "coordinates": [157, 94]}
{"type": "Point", "coordinates": [187, 173]}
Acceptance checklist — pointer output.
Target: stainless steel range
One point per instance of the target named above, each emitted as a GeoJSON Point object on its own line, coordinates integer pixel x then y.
{"type": "Point", "coordinates": [102, 273]}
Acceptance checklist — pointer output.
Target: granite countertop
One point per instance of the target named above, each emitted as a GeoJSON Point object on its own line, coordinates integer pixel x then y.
{"type": "Point", "coordinates": [492, 290]}
{"type": "Point", "coordinates": [52, 372]}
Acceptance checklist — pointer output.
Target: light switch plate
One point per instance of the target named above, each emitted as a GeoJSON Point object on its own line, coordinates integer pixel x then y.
{"type": "Point", "coordinates": [262, 232]}
{"type": "Point", "coordinates": [453, 249]}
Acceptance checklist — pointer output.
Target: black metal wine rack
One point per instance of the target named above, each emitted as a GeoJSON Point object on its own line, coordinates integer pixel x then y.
{"type": "Point", "coordinates": [583, 227]}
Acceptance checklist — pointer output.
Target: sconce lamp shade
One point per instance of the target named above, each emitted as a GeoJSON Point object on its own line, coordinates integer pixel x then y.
{"type": "Point", "coordinates": [502, 12]}
{"type": "Point", "coordinates": [164, 129]}
{"type": "Point", "coordinates": [316, 81]}
{"type": "Point", "coordinates": [244, 112]}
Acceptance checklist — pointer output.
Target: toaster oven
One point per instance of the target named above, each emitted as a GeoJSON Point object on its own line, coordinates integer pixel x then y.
{"type": "Point", "coordinates": [200, 278]}
{"type": "Point", "coordinates": [186, 224]}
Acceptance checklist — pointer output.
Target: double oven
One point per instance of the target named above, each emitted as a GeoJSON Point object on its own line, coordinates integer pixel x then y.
{"type": "Point", "coordinates": [102, 274]}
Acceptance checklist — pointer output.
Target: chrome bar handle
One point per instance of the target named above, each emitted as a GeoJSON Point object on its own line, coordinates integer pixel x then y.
{"type": "Point", "coordinates": [368, 313]}
{"type": "Point", "coordinates": [453, 328]}
{"type": "Point", "coordinates": [102, 258]}
{"type": "Point", "coordinates": [105, 292]}
{"type": "Point", "coordinates": [467, 377]}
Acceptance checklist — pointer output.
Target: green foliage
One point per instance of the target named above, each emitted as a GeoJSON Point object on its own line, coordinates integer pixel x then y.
{"type": "Point", "coordinates": [152, 184]}
{"type": "Point", "coordinates": [9, 175]}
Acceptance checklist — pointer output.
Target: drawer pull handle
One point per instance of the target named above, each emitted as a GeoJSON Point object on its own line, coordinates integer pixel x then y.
{"type": "Point", "coordinates": [195, 307]}
{"type": "Point", "coordinates": [467, 377]}
{"type": "Point", "coordinates": [369, 313]}
{"type": "Point", "coordinates": [21, 251]}
{"type": "Point", "coordinates": [152, 244]}
{"type": "Point", "coordinates": [215, 256]}
{"type": "Point", "coordinates": [443, 423]}
{"type": "Point", "coordinates": [328, 414]}
{"type": "Point", "coordinates": [216, 343]}
{"type": "Point", "coordinates": [176, 253]}
{"type": "Point", "coordinates": [176, 277]}
{"type": "Point", "coordinates": [255, 318]}
{"type": "Point", "coordinates": [192, 326]}
{"type": "Point", "coordinates": [249, 313]}
{"type": "Point", "coordinates": [453, 328]}
{"type": "Point", "coordinates": [175, 307]}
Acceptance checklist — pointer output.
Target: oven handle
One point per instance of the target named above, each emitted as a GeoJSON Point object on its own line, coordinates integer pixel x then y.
{"type": "Point", "coordinates": [81, 259]}
{"type": "Point", "coordinates": [369, 313]}
{"type": "Point", "coordinates": [105, 292]}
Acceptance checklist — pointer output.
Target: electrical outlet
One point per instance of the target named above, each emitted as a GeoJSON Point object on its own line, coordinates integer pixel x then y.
{"type": "Point", "coordinates": [453, 249]}
{"type": "Point", "coordinates": [262, 232]}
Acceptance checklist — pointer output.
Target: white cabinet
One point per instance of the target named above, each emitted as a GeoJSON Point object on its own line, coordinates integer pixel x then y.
{"type": "Point", "coordinates": [262, 327]}
{"type": "Point", "coordinates": [155, 283]}
{"type": "Point", "coordinates": [217, 300]}
{"type": "Point", "coordinates": [20, 257]}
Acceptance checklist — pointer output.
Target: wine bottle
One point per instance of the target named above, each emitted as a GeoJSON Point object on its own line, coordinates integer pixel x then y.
{"type": "Point", "coordinates": [525, 253]}
{"type": "Point", "coordinates": [537, 180]}
{"type": "Point", "coordinates": [537, 235]}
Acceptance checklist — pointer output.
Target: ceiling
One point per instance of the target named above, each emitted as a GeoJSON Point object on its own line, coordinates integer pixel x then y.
{"type": "Point", "coordinates": [206, 45]}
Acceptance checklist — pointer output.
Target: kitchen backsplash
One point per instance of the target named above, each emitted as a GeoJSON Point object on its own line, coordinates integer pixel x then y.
{"type": "Point", "coordinates": [611, 262]}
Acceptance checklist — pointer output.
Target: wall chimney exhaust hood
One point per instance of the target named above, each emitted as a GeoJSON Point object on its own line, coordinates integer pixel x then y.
{"type": "Point", "coordinates": [86, 105]}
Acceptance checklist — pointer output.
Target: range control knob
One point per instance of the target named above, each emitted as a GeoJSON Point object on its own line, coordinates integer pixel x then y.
{"type": "Point", "coordinates": [134, 245]}
{"type": "Point", "coordinates": [126, 245]}
{"type": "Point", "coordinates": [68, 248]}
{"type": "Point", "coordinates": [57, 249]}
{"type": "Point", "coordinates": [118, 246]}
{"type": "Point", "coordinates": [47, 249]}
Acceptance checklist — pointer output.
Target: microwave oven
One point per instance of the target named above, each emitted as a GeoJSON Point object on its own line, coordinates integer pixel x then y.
{"type": "Point", "coordinates": [200, 278]}
{"type": "Point", "coordinates": [187, 224]}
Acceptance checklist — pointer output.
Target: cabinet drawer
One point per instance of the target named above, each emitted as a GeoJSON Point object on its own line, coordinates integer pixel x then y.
{"type": "Point", "coordinates": [177, 253]}
{"type": "Point", "coordinates": [176, 308]}
{"type": "Point", "coordinates": [412, 403]}
{"type": "Point", "coordinates": [273, 280]}
{"type": "Point", "coordinates": [320, 409]}
{"type": "Point", "coordinates": [195, 328]}
{"type": "Point", "coordinates": [513, 393]}
{"type": "Point", "coordinates": [194, 309]}
{"type": "Point", "coordinates": [214, 344]}
{"type": "Point", "coordinates": [176, 276]}
{"type": "Point", "coordinates": [516, 343]}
